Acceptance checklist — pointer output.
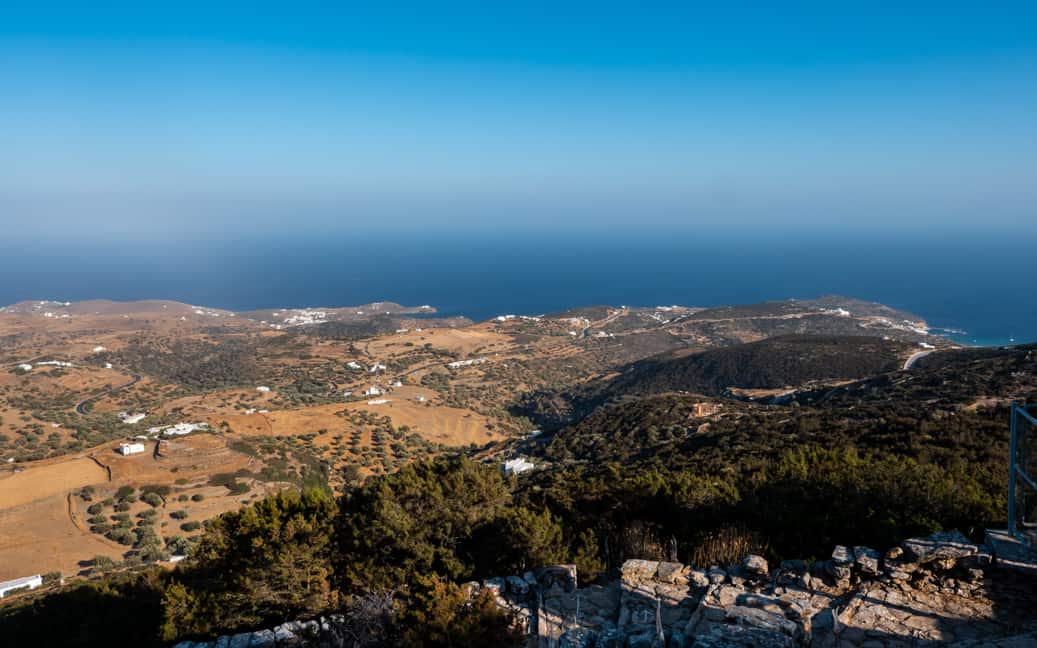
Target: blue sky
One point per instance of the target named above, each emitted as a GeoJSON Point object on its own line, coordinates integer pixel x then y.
{"type": "Point", "coordinates": [193, 119]}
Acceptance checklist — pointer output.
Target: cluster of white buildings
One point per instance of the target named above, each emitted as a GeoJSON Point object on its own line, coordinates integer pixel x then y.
{"type": "Point", "coordinates": [516, 466]}
{"type": "Point", "coordinates": [303, 316]}
{"type": "Point", "coordinates": [457, 364]}
{"type": "Point", "coordinates": [179, 429]}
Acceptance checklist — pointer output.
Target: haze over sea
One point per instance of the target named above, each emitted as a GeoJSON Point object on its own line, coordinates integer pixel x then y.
{"type": "Point", "coordinates": [979, 284]}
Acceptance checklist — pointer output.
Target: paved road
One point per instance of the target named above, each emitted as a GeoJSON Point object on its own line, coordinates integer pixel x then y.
{"type": "Point", "coordinates": [81, 405]}
{"type": "Point", "coordinates": [910, 362]}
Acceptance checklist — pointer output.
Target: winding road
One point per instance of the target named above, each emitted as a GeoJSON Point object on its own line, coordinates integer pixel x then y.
{"type": "Point", "coordinates": [81, 405]}
{"type": "Point", "coordinates": [910, 362]}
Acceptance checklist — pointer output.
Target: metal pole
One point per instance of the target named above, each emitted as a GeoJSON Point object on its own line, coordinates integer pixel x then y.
{"type": "Point", "coordinates": [1011, 473]}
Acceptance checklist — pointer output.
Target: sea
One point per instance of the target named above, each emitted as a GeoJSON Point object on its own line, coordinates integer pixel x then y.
{"type": "Point", "coordinates": [976, 288]}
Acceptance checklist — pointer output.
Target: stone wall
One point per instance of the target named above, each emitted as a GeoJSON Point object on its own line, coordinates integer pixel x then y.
{"type": "Point", "coordinates": [937, 590]}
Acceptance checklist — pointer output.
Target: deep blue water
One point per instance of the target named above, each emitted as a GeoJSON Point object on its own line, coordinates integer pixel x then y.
{"type": "Point", "coordinates": [980, 284]}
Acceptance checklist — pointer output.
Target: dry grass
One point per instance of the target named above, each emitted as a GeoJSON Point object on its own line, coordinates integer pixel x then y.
{"type": "Point", "coordinates": [45, 479]}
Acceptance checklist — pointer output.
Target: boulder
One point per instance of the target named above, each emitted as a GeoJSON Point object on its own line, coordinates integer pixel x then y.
{"type": "Point", "coordinates": [866, 560]}
{"type": "Point", "coordinates": [939, 546]}
{"type": "Point", "coordinates": [755, 565]}
{"type": "Point", "coordinates": [716, 575]}
{"type": "Point", "coordinates": [671, 572]}
{"type": "Point", "coordinates": [842, 556]}
{"type": "Point", "coordinates": [639, 571]}
{"type": "Point", "coordinates": [698, 578]}
{"type": "Point", "coordinates": [287, 635]}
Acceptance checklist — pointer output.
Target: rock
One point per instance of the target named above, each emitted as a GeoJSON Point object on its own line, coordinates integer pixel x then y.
{"type": "Point", "coordinates": [842, 556]}
{"type": "Point", "coordinates": [894, 554]}
{"type": "Point", "coordinates": [287, 635]}
{"type": "Point", "coordinates": [639, 571]}
{"type": "Point", "coordinates": [762, 619]}
{"type": "Point", "coordinates": [671, 572]}
{"type": "Point", "coordinates": [262, 639]}
{"type": "Point", "coordinates": [240, 640]}
{"type": "Point", "coordinates": [732, 636]}
{"type": "Point", "coordinates": [754, 564]}
{"type": "Point", "coordinates": [938, 546]}
{"type": "Point", "coordinates": [563, 576]}
{"type": "Point", "coordinates": [866, 560]}
{"type": "Point", "coordinates": [794, 566]}
{"type": "Point", "coordinates": [698, 578]}
{"type": "Point", "coordinates": [716, 575]}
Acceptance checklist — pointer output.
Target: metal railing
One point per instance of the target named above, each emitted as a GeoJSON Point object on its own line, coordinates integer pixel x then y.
{"type": "Point", "coordinates": [1022, 465]}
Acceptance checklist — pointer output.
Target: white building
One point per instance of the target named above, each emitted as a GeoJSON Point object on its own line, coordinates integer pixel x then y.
{"type": "Point", "coordinates": [31, 582]}
{"type": "Point", "coordinates": [457, 364]}
{"type": "Point", "coordinates": [516, 466]}
{"type": "Point", "coordinates": [179, 429]}
{"type": "Point", "coordinates": [397, 383]}
{"type": "Point", "coordinates": [54, 363]}
{"type": "Point", "coordinates": [373, 391]}
{"type": "Point", "coordinates": [376, 367]}
{"type": "Point", "coordinates": [99, 349]}
{"type": "Point", "coordinates": [420, 399]}
{"type": "Point", "coordinates": [263, 388]}
{"type": "Point", "coordinates": [25, 367]}
{"type": "Point", "coordinates": [127, 449]}
{"type": "Point", "coordinates": [353, 364]}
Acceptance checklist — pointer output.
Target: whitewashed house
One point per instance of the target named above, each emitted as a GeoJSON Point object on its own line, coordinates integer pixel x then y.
{"type": "Point", "coordinates": [30, 582]}
{"type": "Point", "coordinates": [127, 449]}
{"type": "Point", "coordinates": [373, 390]}
{"type": "Point", "coordinates": [516, 466]}
{"type": "Point", "coordinates": [263, 388]}
{"type": "Point", "coordinates": [25, 367]}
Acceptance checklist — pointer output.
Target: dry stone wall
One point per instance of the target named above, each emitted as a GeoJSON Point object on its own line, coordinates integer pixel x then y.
{"type": "Point", "coordinates": [937, 590]}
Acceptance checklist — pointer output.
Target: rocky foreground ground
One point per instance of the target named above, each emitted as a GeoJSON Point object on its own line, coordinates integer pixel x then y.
{"type": "Point", "coordinates": [937, 590]}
